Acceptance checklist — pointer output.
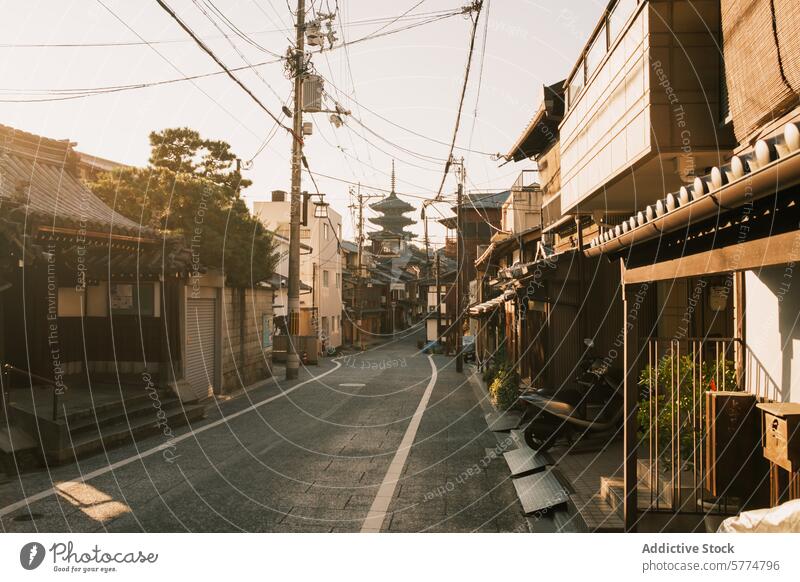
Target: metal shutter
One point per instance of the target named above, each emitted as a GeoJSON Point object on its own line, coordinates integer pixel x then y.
{"type": "Point", "coordinates": [201, 345]}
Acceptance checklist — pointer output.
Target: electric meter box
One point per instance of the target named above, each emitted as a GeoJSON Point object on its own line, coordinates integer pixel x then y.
{"type": "Point", "coordinates": [781, 434]}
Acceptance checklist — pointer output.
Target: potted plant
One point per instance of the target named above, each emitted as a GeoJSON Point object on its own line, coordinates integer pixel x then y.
{"type": "Point", "coordinates": [672, 403]}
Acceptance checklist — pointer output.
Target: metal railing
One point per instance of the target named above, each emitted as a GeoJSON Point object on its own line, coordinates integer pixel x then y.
{"type": "Point", "coordinates": [672, 421]}
{"type": "Point", "coordinates": [9, 369]}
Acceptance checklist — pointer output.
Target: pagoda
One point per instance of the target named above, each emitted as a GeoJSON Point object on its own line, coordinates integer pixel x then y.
{"type": "Point", "coordinates": [392, 238]}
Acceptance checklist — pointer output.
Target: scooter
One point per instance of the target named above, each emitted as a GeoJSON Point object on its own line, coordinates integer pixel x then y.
{"type": "Point", "coordinates": [585, 415]}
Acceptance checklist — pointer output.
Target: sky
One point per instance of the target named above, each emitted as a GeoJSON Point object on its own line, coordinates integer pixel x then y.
{"type": "Point", "coordinates": [396, 85]}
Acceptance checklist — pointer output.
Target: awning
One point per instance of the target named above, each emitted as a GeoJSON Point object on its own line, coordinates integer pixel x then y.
{"type": "Point", "coordinates": [486, 308]}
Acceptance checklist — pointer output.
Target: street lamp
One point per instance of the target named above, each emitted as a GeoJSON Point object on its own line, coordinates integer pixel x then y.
{"type": "Point", "coordinates": [321, 208]}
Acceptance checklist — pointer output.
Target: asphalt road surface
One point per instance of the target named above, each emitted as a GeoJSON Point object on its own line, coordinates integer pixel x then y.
{"type": "Point", "coordinates": [388, 440]}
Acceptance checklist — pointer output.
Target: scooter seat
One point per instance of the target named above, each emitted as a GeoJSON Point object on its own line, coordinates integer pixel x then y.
{"type": "Point", "coordinates": [553, 405]}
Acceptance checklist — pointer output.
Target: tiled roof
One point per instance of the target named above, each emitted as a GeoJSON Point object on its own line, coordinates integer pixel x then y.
{"type": "Point", "coordinates": [349, 247]}
{"type": "Point", "coordinates": [40, 174]}
{"type": "Point", "coordinates": [485, 199]}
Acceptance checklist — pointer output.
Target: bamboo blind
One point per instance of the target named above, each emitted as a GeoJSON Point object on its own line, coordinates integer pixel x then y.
{"type": "Point", "coordinates": [762, 57]}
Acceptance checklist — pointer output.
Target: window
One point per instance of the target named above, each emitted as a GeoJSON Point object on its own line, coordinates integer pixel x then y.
{"type": "Point", "coordinates": [70, 302]}
{"type": "Point", "coordinates": [132, 298]}
{"type": "Point", "coordinates": [618, 17]}
{"type": "Point", "coordinates": [338, 278]}
{"type": "Point", "coordinates": [325, 279]}
{"type": "Point", "coordinates": [596, 52]}
{"type": "Point", "coordinates": [325, 233]}
{"type": "Point", "coordinates": [576, 84]}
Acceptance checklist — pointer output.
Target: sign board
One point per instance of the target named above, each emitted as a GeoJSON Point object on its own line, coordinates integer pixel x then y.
{"type": "Point", "coordinates": [266, 331]}
{"type": "Point", "coordinates": [121, 296]}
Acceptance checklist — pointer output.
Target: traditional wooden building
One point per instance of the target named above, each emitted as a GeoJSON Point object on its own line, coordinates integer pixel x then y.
{"type": "Point", "coordinates": [95, 309]}
{"type": "Point", "coordinates": [718, 254]}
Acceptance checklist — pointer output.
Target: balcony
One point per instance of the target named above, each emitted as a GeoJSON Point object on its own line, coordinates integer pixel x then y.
{"type": "Point", "coordinates": [643, 106]}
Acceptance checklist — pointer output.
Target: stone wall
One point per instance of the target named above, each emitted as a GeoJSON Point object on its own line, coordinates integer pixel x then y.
{"type": "Point", "coordinates": [242, 323]}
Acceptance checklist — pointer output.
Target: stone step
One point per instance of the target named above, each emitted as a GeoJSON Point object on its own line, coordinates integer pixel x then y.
{"type": "Point", "coordinates": [130, 410]}
{"type": "Point", "coordinates": [123, 432]}
{"type": "Point", "coordinates": [612, 492]}
{"type": "Point", "coordinates": [87, 415]}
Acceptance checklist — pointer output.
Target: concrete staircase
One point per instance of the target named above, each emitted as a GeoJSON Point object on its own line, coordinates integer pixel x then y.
{"type": "Point", "coordinates": [612, 490]}
{"type": "Point", "coordinates": [85, 432]}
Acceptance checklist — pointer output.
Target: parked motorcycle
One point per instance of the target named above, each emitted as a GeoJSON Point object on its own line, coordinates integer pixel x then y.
{"type": "Point", "coordinates": [588, 413]}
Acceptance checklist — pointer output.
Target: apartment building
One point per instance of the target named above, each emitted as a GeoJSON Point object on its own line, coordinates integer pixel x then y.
{"type": "Point", "coordinates": [320, 265]}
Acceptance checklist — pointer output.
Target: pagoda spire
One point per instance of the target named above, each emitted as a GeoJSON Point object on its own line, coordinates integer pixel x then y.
{"type": "Point", "coordinates": [391, 221]}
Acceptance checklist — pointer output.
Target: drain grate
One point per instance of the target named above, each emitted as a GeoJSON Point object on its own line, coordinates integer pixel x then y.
{"type": "Point", "coordinates": [540, 491]}
{"type": "Point", "coordinates": [502, 421]}
{"type": "Point", "coordinates": [524, 461]}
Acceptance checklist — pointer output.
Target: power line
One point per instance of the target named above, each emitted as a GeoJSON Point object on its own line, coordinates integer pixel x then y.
{"type": "Point", "coordinates": [477, 7]}
{"type": "Point", "coordinates": [235, 79]}
{"type": "Point", "coordinates": [80, 93]}
{"type": "Point", "coordinates": [376, 188]}
{"type": "Point", "coordinates": [233, 44]}
{"type": "Point", "coordinates": [480, 72]}
{"type": "Point", "coordinates": [277, 29]}
{"type": "Point", "coordinates": [404, 128]}
{"type": "Point", "coordinates": [174, 66]}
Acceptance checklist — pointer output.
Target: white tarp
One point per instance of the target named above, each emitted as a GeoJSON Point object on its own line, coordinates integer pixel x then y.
{"type": "Point", "coordinates": [782, 519]}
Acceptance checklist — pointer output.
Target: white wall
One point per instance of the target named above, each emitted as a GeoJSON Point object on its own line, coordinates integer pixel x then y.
{"type": "Point", "coordinates": [772, 303]}
{"type": "Point", "coordinates": [608, 126]}
{"type": "Point", "coordinates": [272, 214]}
{"type": "Point", "coordinates": [324, 256]}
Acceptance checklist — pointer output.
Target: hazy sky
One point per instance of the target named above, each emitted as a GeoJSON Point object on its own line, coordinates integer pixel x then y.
{"type": "Point", "coordinates": [412, 78]}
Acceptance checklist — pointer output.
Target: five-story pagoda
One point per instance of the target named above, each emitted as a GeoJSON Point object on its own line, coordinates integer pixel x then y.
{"type": "Point", "coordinates": [392, 239]}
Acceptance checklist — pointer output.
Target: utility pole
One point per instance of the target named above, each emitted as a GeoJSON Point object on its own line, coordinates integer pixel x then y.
{"type": "Point", "coordinates": [460, 271]}
{"type": "Point", "coordinates": [438, 301]}
{"type": "Point", "coordinates": [293, 292]}
{"type": "Point", "coordinates": [357, 291]}
{"type": "Point", "coordinates": [356, 294]}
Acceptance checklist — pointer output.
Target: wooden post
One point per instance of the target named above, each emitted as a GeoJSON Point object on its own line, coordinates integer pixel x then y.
{"type": "Point", "coordinates": [631, 400]}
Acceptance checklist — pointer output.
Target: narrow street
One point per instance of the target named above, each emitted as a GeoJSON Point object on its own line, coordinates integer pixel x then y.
{"type": "Point", "coordinates": [312, 459]}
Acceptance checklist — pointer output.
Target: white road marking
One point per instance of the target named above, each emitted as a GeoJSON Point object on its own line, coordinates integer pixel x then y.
{"type": "Point", "coordinates": [149, 452]}
{"type": "Point", "coordinates": [352, 385]}
{"type": "Point", "coordinates": [380, 506]}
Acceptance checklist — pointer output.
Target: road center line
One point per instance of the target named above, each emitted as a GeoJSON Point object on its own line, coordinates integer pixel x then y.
{"type": "Point", "coordinates": [380, 506]}
{"type": "Point", "coordinates": [149, 452]}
